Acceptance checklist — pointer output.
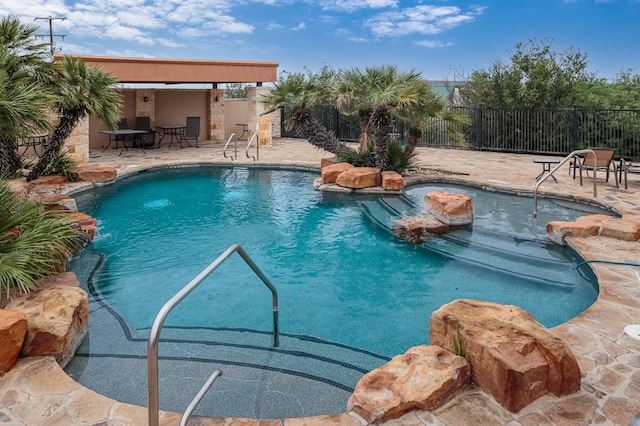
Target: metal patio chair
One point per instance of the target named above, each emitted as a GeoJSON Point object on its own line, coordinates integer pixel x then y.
{"type": "Point", "coordinates": [603, 161]}
{"type": "Point", "coordinates": [191, 132]}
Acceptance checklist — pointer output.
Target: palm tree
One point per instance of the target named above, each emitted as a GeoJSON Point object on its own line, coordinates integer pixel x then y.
{"type": "Point", "coordinates": [420, 116]}
{"type": "Point", "coordinates": [34, 242]}
{"type": "Point", "coordinates": [302, 92]}
{"type": "Point", "coordinates": [380, 91]}
{"type": "Point", "coordinates": [81, 91]}
{"type": "Point", "coordinates": [25, 97]}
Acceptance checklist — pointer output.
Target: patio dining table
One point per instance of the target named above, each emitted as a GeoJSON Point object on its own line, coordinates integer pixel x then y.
{"type": "Point", "coordinates": [174, 132]}
{"type": "Point", "coordinates": [32, 141]}
{"type": "Point", "coordinates": [124, 136]}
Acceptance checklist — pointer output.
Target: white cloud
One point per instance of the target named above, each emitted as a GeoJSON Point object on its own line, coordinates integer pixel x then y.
{"type": "Point", "coordinates": [423, 19]}
{"type": "Point", "coordinates": [300, 26]}
{"type": "Point", "coordinates": [431, 44]}
{"type": "Point", "coordinates": [353, 5]}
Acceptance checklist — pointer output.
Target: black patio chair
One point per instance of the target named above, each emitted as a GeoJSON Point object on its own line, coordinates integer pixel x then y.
{"type": "Point", "coordinates": [191, 132]}
{"type": "Point", "coordinates": [148, 140]}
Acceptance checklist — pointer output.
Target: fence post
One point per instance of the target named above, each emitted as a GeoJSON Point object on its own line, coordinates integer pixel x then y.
{"type": "Point", "coordinates": [574, 129]}
{"type": "Point", "coordinates": [479, 129]}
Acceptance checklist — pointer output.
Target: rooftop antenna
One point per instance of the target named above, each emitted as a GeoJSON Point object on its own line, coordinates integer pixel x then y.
{"type": "Point", "coordinates": [51, 34]}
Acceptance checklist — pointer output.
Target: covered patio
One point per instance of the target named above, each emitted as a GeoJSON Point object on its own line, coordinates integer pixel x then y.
{"type": "Point", "coordinates": [169, 90]}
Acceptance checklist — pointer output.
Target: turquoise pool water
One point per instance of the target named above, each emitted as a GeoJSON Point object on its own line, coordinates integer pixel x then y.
{"type": "Point", "coordinates": [341, 275]}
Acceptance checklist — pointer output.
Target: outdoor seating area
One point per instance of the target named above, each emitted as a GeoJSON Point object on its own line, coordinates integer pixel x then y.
{"type": "Point", "coordinates": [181, 133]}
{"type": "Point", "coordinates": [602, 161]}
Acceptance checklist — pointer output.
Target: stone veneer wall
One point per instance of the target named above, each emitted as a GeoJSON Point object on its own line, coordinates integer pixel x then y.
{"type": "Point", "coordinates": [257, 121]}
{"type": "Point", "coordinates": [216, 114]}
{"type": "Point", "coordinates": [78, 142]}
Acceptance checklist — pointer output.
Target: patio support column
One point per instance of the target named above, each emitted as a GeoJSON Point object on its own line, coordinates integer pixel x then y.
{"type": "Point", "coordinates": [258, 122]}
{"type": "Point", "coordinates": [216, 115]}
{"type": "Point", "coordinates": [146, 105]}
{"type": "Point", "coordinates": [77, 144]}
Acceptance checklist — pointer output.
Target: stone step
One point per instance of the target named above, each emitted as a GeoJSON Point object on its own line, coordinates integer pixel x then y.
{"type": "Point", "coordinates": [482, 246]}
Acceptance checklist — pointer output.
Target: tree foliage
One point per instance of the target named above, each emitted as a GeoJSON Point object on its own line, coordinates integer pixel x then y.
{"type": "Point", "coordinates": [536, 77]}
{"type": "Point", "coordinates": [377, 95]}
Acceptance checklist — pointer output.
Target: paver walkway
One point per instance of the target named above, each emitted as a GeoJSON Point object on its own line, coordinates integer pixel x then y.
{"type": "Point", "coordinates": [38, 392]}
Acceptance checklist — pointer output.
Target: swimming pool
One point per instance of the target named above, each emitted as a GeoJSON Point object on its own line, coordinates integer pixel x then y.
{"type": "Point", "coordinates": [351, 294]}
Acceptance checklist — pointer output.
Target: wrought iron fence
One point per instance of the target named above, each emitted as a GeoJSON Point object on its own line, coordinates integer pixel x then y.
{"type": "Point", "coordinates": [522, 130]}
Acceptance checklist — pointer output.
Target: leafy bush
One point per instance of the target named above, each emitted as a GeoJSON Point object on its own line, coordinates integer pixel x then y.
{"type": "Point", "coordinates": [397, 162]}
{"type": "Point", "coordinates": [62, 165]}
{"type": "Point", "coordinates": [34, 242]}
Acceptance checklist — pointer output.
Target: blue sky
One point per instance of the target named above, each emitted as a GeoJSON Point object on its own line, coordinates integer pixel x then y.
{"type": "Point", "coordinates": [444, 39]}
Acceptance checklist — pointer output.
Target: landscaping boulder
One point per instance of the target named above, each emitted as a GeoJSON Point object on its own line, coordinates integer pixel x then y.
{"type": "Point", "coordinates": [330, 172]}
{"type": "Point", "coordinates": [359, 177]}
{"type": "Point", "coordinates": [13, 328]}
{"type": "Point", "coordinates": [512, 356]}
{"type": "Point", "coordinates": [423, 378]}
{"type": "Point", "coordinates": [95, 174]}
{"type": "Point", "coordinates": [58, 318]}
{"type": "Point", "coordinates": [58, 202]}
{"type": "Point", "coordinates": [84, 222]}
{"type": "Point", "coordinates": [418, 229]}
{"type": "Point", "coordinates": [582, 227]}
{"type": "Point", "coordinates": [392, 181]}
{"type": "Point", "coordinates": [452, 209]}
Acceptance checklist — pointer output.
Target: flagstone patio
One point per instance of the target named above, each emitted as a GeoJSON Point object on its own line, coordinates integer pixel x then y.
{"type": "Point", "coordinates": [36, 391]}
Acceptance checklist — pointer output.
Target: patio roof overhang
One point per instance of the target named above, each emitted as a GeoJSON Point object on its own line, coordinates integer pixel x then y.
{"type": "Point", "coordinates": [176, 71]}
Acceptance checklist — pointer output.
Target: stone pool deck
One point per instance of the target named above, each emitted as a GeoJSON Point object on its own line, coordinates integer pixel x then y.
{"type": "Point", "coordinates": [37, 392]}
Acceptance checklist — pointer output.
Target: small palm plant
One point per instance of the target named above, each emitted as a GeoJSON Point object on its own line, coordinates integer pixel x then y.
{"type": "Point", "coordinates": [34, 242]}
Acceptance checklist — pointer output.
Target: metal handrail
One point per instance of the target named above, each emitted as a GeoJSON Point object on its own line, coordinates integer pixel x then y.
{"type": "Point", "coordinates": [246, 151]}
{"type": "Point", "coordinates": [224, 151]}
{"type": "Point", "coordinates": [567, 158]}
{"type": "Point", "coordinates": [156, 328]}
{"type": "Point", "coordinates": [203, 390]}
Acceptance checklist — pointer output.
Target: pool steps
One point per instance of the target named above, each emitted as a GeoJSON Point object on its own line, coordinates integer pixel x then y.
{"type": "Point", "coordinates": [478, 244]}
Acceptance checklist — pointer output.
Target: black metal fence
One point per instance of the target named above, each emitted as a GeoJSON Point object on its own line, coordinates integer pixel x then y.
{"type": "Point", "coordinates": [521, 130]}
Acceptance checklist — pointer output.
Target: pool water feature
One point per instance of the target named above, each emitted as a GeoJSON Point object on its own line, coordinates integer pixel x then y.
{"type": "Point", "coordinates": [351, 294]}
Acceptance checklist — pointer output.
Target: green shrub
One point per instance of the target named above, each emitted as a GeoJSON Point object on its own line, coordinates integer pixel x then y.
{"type": "Point", "coordinates": [34, 242]}
{"type": "Point", "coordinates": [397, 162]}
{"type": "Point", "coordinates": [62, 165]}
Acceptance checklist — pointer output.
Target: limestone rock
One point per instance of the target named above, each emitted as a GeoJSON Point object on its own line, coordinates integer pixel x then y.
{"type": "Point", "coordinates": [359, 177]}
{"type": "Point", "coordinates": [584, 226]}
{"type": "Point", "coordinates": [84, 222]}
{"type": "Point", "coordinates": [512, 356]}
{"type": "Point", "coordinates": [452, 209]}
{"type": "Point", "coordinates": [96, 174]}
{"type": "Point", "coordinates": [13, 328]}
{"type": "Point", "coordinates": [424, 378]}
{"type": "Point", "coordinates": [392, 181]}
{"type": "Point", "coordinates": [48, 180]}
{"type": "Point", "coordinates": [330, 172]}
{"type": "Point", "coordinates": [327, 161]}
{"type": "Point", "coordinates": [58, 319]}
{"type": "Point", "coordinates": [621, 229]}
{"type": "Point", "coordinates": [58, 202]}
{"type": "Point", "coordinates": [418, 229]}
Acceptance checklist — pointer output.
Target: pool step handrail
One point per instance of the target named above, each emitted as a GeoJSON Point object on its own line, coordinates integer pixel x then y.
{"type": "Point", "coordinates": [156, 328]}
{"type": "Point", "coordinates": [246, 151]}
{"type": "Point", "coordinates": [567, 158]}
{"type": "Point", "coordinates": [235, 147]}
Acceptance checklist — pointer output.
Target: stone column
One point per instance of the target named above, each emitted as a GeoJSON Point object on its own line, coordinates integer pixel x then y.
{"type": "Point", "coordinates": [77, 144]}
{"type": "Point", "coordinates": [216, 118]}
{"type": "Point", "coordinates": [257, 122]}
{"type": "Point", "coordinates": [146, 105]}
